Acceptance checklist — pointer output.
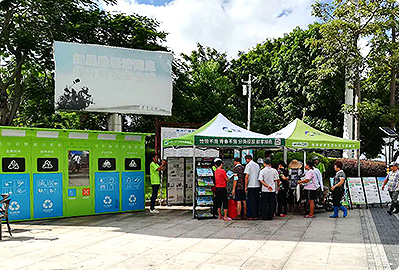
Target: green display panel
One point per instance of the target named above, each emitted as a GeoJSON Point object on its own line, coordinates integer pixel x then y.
{"type": "Point", "coordinates": [61, 166]}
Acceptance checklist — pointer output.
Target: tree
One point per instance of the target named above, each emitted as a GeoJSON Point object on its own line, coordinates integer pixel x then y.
{"type": "Point", "coordinates": [203, 87]}
{"type": "Point", "coordinates": [28, 30]}
{"type": "Point", "coordinates": [285, 88]}
{"type": "Point", "coordinates": [344, 24]}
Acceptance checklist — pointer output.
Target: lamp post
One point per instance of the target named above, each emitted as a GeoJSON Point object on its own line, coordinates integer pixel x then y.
{"type": "Point", "coordinates": [247, 88]}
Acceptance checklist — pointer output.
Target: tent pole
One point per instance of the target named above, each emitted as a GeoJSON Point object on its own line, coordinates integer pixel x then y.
{"type": "Point", "coordinates": [358, 162]}
{"type": "Point", "coordinates": [194, 186]}
{"type": "Point", "coordinates": [285, 155]}
{"type": "Point", "coordinates": [304, 158]}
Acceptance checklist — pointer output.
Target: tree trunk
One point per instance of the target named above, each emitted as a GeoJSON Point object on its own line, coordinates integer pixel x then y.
{"type": "Point", "coordinates": [392, 86]}
{"type": "Point", "coordinates": [356, 101]}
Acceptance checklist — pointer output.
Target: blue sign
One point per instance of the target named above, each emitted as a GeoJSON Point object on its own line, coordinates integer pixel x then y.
{"type": "Point", "coordinates": [47, 195]}
{"type": "Point", "coordinates": [72, 192]}
{"type": "Point", "coordinates": [132, 191]}
{"type": "Point", "coordinates": [17, 186]}
{"type": "Point", "coordinates": [107, 192]}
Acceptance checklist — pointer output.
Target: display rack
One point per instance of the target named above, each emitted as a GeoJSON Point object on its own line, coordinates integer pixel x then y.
{"type": "Point", "coordinates": [204, 194]}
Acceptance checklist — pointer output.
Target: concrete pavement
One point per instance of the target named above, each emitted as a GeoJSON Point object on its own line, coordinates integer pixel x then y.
{"type": "Point", "coordinates": [173, 240]}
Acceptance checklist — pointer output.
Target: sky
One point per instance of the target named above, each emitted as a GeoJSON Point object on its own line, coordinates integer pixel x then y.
{"type": "Point", "coordinates": [227, 25]}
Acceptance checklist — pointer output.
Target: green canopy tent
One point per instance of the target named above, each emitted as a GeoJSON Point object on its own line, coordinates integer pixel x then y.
{"type": "Point", "coordinates": [298, 135]}
{"type": "Point", "coordinates": [220, 133]}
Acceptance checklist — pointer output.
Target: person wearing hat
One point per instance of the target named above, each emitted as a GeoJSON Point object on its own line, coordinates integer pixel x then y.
{"type": "Point", "coordinates": [392, 180]}
{"type": "Point", "coordinates": [221, 180]}
{"type": "Point", "coordinates": [295, 173]}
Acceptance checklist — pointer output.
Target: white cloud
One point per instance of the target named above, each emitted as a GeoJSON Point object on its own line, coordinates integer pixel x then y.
{"type": "Point", "coordinates": [226, 25]}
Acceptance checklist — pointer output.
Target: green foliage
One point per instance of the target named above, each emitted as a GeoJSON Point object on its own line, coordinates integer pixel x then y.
{"type": "Point", "coordinates": [27, 32]}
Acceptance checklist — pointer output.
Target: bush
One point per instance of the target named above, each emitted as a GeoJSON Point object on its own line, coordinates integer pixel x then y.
{"type": "Point", "coordinates": [367, 167]}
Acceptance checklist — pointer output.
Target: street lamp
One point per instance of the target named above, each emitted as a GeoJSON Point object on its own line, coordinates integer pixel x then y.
{"type": "Point", "coordinates": [247, 88]}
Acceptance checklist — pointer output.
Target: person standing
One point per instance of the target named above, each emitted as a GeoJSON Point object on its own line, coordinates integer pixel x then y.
{"type": "Point", "coordinates": [252, 187]}
{"type": "Point", "coordinates": [338, 189]}
{"type": "Point", "coordinates": [320, 166]}
{"type": "Point", "coordinates": [393, 187]}
{"type": "Point", "coordinates": [221, 180]}
{"type": "Point", "coordinates": [310, 187]}
{"type": "Point", "coordinates": [239, 189]}
{"type": "Point", "coordinates": [282, 190]}
{"type": "Point", "coordinates": [295, 174]}
{"type": "Point", "coordinates": [268, 178]}
{"type": "Point", "coordinates": [155, 169]}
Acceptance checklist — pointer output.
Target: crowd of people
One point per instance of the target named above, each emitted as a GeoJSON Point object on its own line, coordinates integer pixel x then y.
{"type": "Point", "coordinates": [262, 190]}
{"type": "Point", "coordinates": [265, 190]}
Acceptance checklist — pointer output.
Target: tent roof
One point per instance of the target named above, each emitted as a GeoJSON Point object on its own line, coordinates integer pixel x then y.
{"type": "Point", "coordinates": [221, 132]}
{"type": "Point", "coordinates": [297, 134]}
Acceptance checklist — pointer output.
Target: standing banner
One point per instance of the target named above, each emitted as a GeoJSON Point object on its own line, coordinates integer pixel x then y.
{"type": "Point", "coordinates": [356, 190]}
{"type": "Point", "coordinates": [110, 79]}
{"type": "Point", "coordinates": [385, 198]}
{"type": "Point", "coordinates": [371, 190]}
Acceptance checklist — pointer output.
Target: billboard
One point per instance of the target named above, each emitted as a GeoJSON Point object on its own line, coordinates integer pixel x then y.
{"type": "Point", "coordinates": [110, 79]}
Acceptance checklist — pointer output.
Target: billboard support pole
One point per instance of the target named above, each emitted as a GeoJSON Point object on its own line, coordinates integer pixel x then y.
{"type": "Point", "coordinates": [115, 122]}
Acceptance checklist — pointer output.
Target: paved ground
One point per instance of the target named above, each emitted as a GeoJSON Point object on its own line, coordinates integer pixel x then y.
{"type": "Point", "coordinates": [172, 240]}
{"type": "Point", "coordinates": [388, 231]}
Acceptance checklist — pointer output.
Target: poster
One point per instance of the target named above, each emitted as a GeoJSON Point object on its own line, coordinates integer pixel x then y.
{"type": "Point", "coordinates": [17, 186]}
{"type": "Point", "coordinates": [356, 190]}
{"type": "Point", "coordinates": [47, 195]}
{"type": "Point", "coordinates": [189, 181]}
{"type": "Point", "coordinates": [176, 180]}
{"type": "Point", "coordinates": [132, 191]}
{"type": "Point", "coordinates": [371, 189]}
{"type": "Point", "coordinates": [385, 198]}
{"type": "Point", "coordinates": [106, 192]}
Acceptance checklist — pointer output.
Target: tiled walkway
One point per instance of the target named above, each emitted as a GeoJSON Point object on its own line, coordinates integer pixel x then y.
{"type": "Point", "coordinates": [173, 240]}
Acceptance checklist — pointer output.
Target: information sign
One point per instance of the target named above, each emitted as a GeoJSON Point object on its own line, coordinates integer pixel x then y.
{"type": "Point", "coordinates": [47, 195]}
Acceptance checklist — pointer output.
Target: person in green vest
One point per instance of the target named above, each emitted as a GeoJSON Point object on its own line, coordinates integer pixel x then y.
{"type": "Point", "coordinates": [320, 166]}
{"type": "Point", "coordinates": [155, 169]}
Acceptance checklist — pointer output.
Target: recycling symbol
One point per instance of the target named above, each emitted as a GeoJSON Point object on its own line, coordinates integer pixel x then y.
{"type": "Point", "coordinates": [13, 165]}
{"type": "Point", "coordinates": [106, 164]}
{"type": "Point", "coordinates": [47, 165]}
{"type": "Point", "coordinates": [47, 204]}
{"type": "Point", "coordinates": [14, 206]}
{"type": "Point", "coordinates": [133, 164]}
{"type": "Point", "coordinates": [107, 200]}
{"type": "Point", "coordinates": [132, 199]}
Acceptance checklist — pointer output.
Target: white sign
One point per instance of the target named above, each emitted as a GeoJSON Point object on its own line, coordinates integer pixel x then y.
{"type": "Point", "coordinates": [171, 132]}
{"type": "Point", "coordinates": [111, 79]}
{"type": "Point", "coordinates": [356, 190]}
{"type": "Point", "coordinates": [371, 189]}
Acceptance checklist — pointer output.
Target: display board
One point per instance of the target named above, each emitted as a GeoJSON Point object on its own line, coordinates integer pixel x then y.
{"type": "Point", "coordinates": [176, 180]}
{"type": "Point", "coordinates": [356, 190]}
{"type": "Point", "coordinates": [189, 181]}
{"type": "Point", "coordinates": [371, 190]}
{"type": "Point", "coordinates": [385, 198]}
{"type": "Point", "coordinates": [110, 79]}
{"type": "Point", "coordinates": [172, 132]}
{"type": "Point", "coordinates": [52, 173]}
